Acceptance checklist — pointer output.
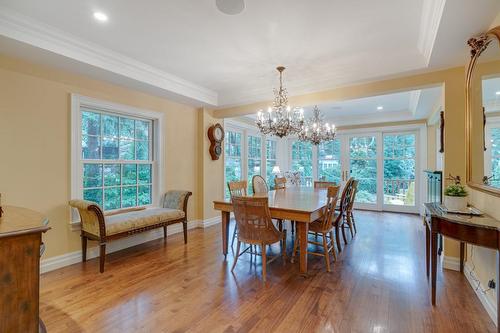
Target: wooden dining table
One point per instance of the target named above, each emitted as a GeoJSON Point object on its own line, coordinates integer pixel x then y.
{"type": "Point", "coordinates": [300, 204]}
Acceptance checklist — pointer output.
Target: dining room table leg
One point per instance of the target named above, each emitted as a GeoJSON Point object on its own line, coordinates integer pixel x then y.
{"type": "Point", "coordinates": [302, 233]}
{"type": "Point", "coordinates": [225, 232]}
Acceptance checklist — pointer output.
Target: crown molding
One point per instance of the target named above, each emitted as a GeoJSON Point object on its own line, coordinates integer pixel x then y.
{"type": "Point", "coordinates": [432, 12]}
{"type": "Point", "coordinates": [26, 30]}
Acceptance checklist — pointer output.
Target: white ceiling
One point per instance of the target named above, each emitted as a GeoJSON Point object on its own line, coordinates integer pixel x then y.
{"type": "Point", "coordinates": [402, 106]}
{"type": "Point", "coordinates": [191, 51]}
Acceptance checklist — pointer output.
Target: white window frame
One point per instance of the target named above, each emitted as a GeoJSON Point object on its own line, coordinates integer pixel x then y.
{"type": "Point", "coordinates": [343, 135]}
{"type": "Point", "coordinates": [248, 130]}
{"type": "Point", "coordinates": [77, 103]}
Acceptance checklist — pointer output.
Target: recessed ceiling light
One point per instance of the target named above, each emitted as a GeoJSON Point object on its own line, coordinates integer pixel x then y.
{"type": "Point", "coordinates": [498, 93]}
{"type": "Point", "coordinates": [380, 107]}
{"type": "Point", "coordinates": [100, 16]}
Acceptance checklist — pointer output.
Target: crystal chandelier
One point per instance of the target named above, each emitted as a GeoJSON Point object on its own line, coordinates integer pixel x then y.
{"type": "Point", "coordinates": [315, 131]}
{"type": "Point", "coordinates": [280, 119]}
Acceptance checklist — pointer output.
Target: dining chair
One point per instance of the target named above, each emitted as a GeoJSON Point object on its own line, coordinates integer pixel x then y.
{"type": "Point", "coordinates": [350, 208]}
{"type": "Point", "coordinates": [280, 184]}
{"type": "Point", "coordinates": [323, 184]}
{"type": "Point", "coordinates": [255, 227]}
{"type": "Point", "coordinates": [259, 185]}
{"type": "Point", "coordinates": [345, 201]}
{"type": "Point", "coordinates": [237, 188]}
{"type": "Point", "coordinates": [323, 226]}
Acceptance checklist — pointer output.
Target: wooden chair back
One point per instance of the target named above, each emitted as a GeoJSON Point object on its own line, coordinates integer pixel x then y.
{"type": "Point", "coordinates": [279, 183]}
{"type": "Point", "coordinates": [323, 184]}
{"type": "Point", "coordinates": [331, 202]}
{"type": "Point", "coordinates": [259, 185]}
{"type": "Point", "coordinates": [254, 221]}
{"type": "Point", "coordinates": [345, 199]}
{"type": "Point", "coordinates": [238, 188]}
{"type": "Point", "coordinates": [353, 194]}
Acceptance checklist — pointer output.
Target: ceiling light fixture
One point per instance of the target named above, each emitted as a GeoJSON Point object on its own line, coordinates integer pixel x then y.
{"type": "Point", "coordinates": [497, 93]}
{"type": "Point", "coordinates": [280, 119]}
{"type": "Point", "coordinates": [230, 7]}
{"type": "Point", "coordinates": [100, 16]}
{"type": "Point", "coordinates": [380, 107]}
{"type": "Point", "coordinates": [316, 131]}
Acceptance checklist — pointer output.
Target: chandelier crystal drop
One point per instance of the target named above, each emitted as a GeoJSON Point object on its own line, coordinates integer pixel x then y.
{"type": "Point", "coordinates": [316, 131]}
{"type": "Point", "coordinates": [280, 119]}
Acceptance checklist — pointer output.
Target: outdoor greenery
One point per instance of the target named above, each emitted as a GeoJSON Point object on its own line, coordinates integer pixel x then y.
{"type": "Point", "coordinates": [114, 139]}
{"type": "Point", "coordinates": [232, 151]}
{"type": "Point", "coordinates": [363, 163]}
{"type": "Point", "coordinates": [302, 160]}
{"type": "Point", "coordinates": [329, 168]}
{"type": "Point", "coordinates": [455, 190]}
{"type": "Point", "coordinates": [399, 169]}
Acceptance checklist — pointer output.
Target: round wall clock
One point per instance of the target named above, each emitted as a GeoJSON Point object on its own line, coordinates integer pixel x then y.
{"type": "Point", "coordinates": [216, 136]}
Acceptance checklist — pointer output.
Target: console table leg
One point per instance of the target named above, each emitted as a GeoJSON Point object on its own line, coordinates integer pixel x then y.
{"type": "Point", "coordinates": [433, 266]}
{"type": "Point", "coordinates": [462, 255]}
{"type": "Point", "coordinates": [498, 292]}
{"type": "Point", "coordinates": [427, 249]}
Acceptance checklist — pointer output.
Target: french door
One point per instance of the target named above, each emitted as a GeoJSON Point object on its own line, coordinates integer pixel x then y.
{"type": "Point", "coordinates": [385, 164]}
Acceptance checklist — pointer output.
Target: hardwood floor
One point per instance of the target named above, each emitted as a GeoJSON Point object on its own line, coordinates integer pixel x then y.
{"type": "Point", "coordinates": [378, 284]}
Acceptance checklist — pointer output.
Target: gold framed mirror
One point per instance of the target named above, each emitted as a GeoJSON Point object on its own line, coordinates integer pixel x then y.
{"type": "Point", "coordinates": [483, 113]}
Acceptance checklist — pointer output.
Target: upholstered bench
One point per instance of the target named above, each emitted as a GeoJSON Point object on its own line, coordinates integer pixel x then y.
{"type": "Point", "coordinates": [102, 227]}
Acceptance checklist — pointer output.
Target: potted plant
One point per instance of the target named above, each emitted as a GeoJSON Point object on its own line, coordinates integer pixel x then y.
{"type": "Point", "coordinates": [455, 197]}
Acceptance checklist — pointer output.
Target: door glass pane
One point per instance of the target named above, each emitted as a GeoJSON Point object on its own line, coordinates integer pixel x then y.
{"type": "Point", "coordinates": [302, 161]}
{"type": "Point", "coordinates": [399, 169]}
{"type": "Point", "coordinates": [254, 154]}
{"type": "Point", "coordinates": [271, 162]}
{"type": "Point", "coordinates": [329, 167]}
{"type": "Point", "coordinates": [363, 162]}
{"type": "Point", "coordinates": [232, 158]}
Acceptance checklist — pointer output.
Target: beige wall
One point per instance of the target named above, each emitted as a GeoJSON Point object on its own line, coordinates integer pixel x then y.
{"type": "Point", "coordinates": [212, 179]}
{"type": "Point", "coordinates": [35, 142]}
{"type": "Point", "coordinates": [432, 143]}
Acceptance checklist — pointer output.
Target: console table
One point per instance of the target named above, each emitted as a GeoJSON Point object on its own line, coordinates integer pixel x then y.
{"type": "Point", "coordinates": [20, 250]}
{"type": "Point", "coordinates": [478, 230]}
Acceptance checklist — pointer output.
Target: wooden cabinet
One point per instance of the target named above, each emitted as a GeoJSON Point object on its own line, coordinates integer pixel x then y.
{"type": "Point", "coordinates": [20, 250]}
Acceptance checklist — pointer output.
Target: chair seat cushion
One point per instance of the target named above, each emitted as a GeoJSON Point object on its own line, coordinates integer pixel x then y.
{"type": "Point", "coordinates": [139, 219]}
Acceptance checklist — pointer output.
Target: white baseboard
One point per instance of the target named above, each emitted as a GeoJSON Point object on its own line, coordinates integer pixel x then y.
{"type": "Point", "coordinates": [488, 305]}
{"type": "Point", "coordinates": [53, 263]}
{"type": "Point", "coordinates": [452, 263]}
{"type": "Point", "coordinates": [210, 222]}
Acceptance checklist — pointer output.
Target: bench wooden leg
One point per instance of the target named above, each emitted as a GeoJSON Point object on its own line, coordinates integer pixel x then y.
{"type": "Point", "coordinates": [165, 232]}
{"type": "Point", "coordinates": [84, 248]}
{"type": "Point", "coordinates": [185, 227]}
{"type": "Point", "coordinates": [102, 256]}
